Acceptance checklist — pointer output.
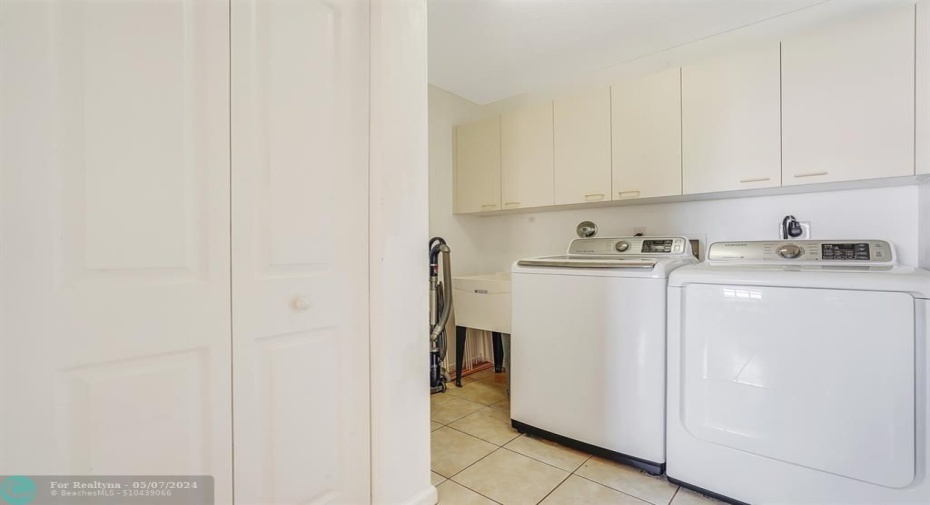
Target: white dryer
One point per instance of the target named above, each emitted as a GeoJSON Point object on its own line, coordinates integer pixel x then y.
{"type": "Point", "coordinates": [588, 346]}
{"type": "Point", "coordinates": [797, 373]}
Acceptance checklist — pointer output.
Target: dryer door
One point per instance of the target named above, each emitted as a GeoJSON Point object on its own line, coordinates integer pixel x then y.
{"type": "Point", "coordinates": [814, 377]}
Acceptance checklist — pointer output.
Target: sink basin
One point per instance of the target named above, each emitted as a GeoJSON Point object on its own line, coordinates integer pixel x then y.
{"type": "Point", "coordinates": [482, 301]}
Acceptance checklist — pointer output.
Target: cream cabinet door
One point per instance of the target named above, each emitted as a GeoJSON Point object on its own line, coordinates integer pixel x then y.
{"type": "Point", "coordinates": [646, 136]}
{"type": "Point", "coordinates": [731, 122]}
{"type": "Point", "coordinates": [300, 251]}
{"type": "Point", "coordinates": [582, 147]}
{"type": "Point", "coordinates": [848, 100]}
{"type": "Point", "coordinates": [526, 157]}
{"type": "Point", "coordinates": [114, 217]}
{"type": "Point", "coordinates": [478, 166]}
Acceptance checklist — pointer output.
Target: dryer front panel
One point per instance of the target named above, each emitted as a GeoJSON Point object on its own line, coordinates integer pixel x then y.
{"type": "Point", "coordinates": [814, 377]}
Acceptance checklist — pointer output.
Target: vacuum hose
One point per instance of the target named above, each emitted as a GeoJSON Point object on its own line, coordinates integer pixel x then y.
{"type": "Point", "coordinates": [440, 309]}
{"type": "Point", "coordinates": [446, 294]}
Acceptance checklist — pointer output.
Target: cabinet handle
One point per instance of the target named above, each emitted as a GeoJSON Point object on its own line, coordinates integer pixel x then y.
{"type": "Point", "coordinates": [757, 179]}
{"type": "Point", "coordinates": [594, 197]}
{"type": "Point", "coordinates": [508, 204]}
{"type": "Point", "coordinates": [489, 206]}
{"type": "Point", "coordinates": [300, 303]}
{"type": "Point", "coordinates": [811, 174]}
{"type": "Point", "coordinates": [628, 194]}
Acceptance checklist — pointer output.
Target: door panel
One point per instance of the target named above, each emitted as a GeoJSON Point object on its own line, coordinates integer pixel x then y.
{"type": "Point", "coordinates": [582, 147]}
{"type": "Point", "coordinates": [848, 99]}
{"type": "Point", "coordinates": [645, 117]}
{"type": "Point", "coordinates": [300, 260]}
{"type": "Point", "coordinates": [731, 122]}
{"type": "Point", "coordinates": [814, 377]}
{"type": "Point", "coordinates": [478, 166]}
{"type": "Point", "coordinates": [526, 157]}
{"type": "Point", "coordinates": [115, 238]}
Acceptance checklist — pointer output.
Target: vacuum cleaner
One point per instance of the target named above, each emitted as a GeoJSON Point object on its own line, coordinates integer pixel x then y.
{"type": "Point", "coordinates": [440, 308]}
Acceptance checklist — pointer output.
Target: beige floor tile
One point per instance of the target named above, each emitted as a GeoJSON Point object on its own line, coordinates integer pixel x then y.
{"type": "Point", "coordinates": [497, 378]}
{"type": "Point", "coordinates": [446, 408]}
{"type": "Point", "coordinates": [576, 490]}
{"type": "Point", "coordinates": [451, 493]}
{"type": "Point", "coordinates": [502, 405]}
{"type": "Point", "coordinates": [511, 478]}
{"type": "Point", "coordinates": [688, 497]}
{"type": "Point", "coordinates": [433, 426]}
{"type": "Point", "coordinates": [488, 424]}
{"type": "Point", "coordinates": [629, 480]}
{"type": "Point", "coordinates": [436, 479]}
{"type": "Point", "coordinates": [482, 392]}
{"type": "Point", "coordinates": [477, 376]}
{"type": "Point", "coordinates": [451, 451]}
{"type": "Point", "coordinates": [548, 452]}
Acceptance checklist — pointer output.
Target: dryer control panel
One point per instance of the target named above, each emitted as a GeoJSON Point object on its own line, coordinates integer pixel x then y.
{"type": "Point", "coordinates": [827, 251]}
{"type": "Point", "coordinates": [623, 246]}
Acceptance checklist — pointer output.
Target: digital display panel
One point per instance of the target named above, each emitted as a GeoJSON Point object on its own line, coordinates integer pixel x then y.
{"type": "Point", "coordinates": [657, 246]}
{"type": "Point", "coordinates": [845, 251]}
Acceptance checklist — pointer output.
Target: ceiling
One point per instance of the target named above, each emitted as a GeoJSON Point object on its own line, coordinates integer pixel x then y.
{"type": "Point", "coordinates": [488, 50]}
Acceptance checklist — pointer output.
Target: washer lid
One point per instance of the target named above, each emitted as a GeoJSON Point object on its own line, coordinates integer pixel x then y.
{"type": "Point", "coordinates": [590, 261]}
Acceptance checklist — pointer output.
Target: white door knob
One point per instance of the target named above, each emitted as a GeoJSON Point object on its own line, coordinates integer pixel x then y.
{"type": "Point", "coordinates": [300, 303]}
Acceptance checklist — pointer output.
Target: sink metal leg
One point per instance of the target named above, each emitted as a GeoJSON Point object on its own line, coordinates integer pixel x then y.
{"type": "Point", "coordinates": [460, 334]}
{"type": "Point", "coordinates": [498, 352]}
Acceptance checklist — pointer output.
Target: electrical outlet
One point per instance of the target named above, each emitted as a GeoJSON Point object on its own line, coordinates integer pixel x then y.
{"type": "Point", "coordinates": [639, 230]}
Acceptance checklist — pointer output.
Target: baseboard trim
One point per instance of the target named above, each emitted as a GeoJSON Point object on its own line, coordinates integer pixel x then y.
{"type": "Point", "coordinates": [429, 496]}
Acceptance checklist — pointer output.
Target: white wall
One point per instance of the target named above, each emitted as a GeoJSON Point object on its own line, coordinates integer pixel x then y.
{"type": "Point", "coordinates": [400, 442]}
{"type": "Point", "coordinates": [492, 243]}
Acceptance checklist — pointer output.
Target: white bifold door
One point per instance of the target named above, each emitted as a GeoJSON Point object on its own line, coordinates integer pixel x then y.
{"type": "Point", "coordinates": [184, 243]}
{"type": "Point", "coordinates": [300, 250]}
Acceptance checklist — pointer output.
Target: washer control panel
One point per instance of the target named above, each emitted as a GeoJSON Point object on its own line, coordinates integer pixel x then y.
{"type": "Point", "coordinates": [624, 246]}
{"type": "Point", "coordinates": [856, 251]}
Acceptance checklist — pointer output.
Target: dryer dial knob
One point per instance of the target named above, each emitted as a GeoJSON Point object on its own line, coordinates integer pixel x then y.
{"type": "Point", "coordinates": [623, 246]}
{"type": "Point", "coordinates": [789, 251]}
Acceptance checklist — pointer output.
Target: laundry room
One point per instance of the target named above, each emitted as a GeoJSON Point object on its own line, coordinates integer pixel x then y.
{"type": "Point", "coordinates": [465, 252]}
{"type": "Point", "coordinates": [595, 165]}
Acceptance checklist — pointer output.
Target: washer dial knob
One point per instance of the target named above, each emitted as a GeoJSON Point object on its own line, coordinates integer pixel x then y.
{"type": "Point", "coordinates": [622, 246]}
{"type": "Point", "coordinates": [789, 251]}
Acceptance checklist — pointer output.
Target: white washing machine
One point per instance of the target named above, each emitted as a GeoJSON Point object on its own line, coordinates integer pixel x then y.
{"type": "Point", "coordinates": [797, 373]}
{"type": "Point", "coordinates": [588, 346]}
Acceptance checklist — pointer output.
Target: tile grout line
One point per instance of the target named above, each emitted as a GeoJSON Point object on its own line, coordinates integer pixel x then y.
{"type": "Point", "coordinates": [553, 489]}
{"type": "Point", "coordinates": [674, 496]}
{"type": "Point", "coordinates": [471, 465]}
{"type": "Point", "coordinates": [624, 492]}
{"type": "Point", "coordinates": [483, 440]}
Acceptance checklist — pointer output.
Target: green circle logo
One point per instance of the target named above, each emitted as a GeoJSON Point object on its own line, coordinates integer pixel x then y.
{"type": "Point", "coordinates": [17, 490]}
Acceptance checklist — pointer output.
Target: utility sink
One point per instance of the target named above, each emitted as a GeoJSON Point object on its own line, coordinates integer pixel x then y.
{"type": "Point", "coordinates": [482, 301]}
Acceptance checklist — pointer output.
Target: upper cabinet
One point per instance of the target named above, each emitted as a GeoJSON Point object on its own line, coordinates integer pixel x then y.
{"type": "Point", "coordinates": [848, 100]}
{"type": "Point", "coordinates": [731, 122]}
{"type": "Point", "coordinates": [646, 136]}
{"type": "Point", "coordinates": [838, 103]}
{"type": "Point", "coordinates": [478, 166]}
{"type": "Point", "coordinates": [582, 148]}
{"type": "Point", "coordinates": [526, 157]}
